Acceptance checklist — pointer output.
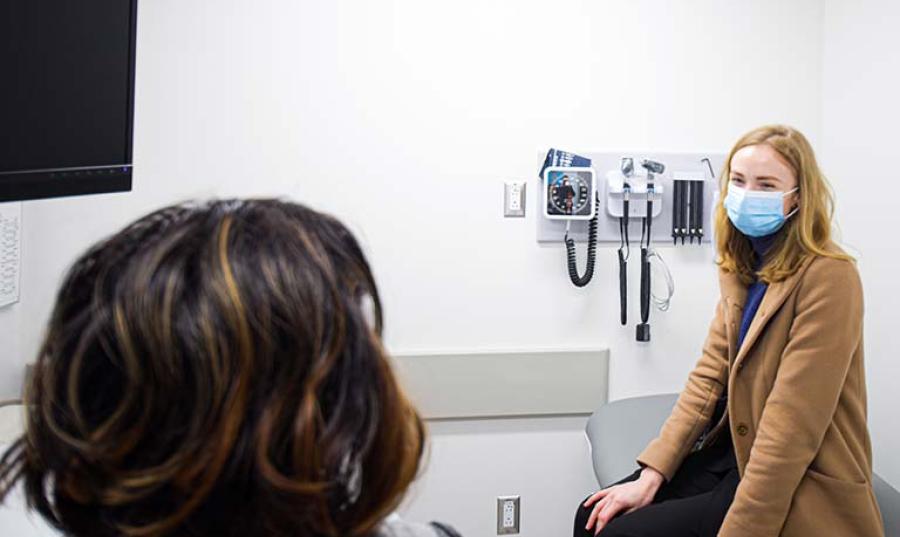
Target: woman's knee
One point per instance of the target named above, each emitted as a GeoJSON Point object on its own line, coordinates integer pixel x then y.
{"type": "Point", "coordinates": [618, 528]}
{"type": "Point", "coordinates": [581, 517]}
{"type": "Point", "coordinates": [615, 528]}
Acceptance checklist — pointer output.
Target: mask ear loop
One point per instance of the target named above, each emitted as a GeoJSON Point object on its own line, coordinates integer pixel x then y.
{"type": "Point", "coordinates": [796, 207]}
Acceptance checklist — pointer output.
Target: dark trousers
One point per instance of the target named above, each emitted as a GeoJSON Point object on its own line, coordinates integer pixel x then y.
{"type": "Point", "coordinates": [692, 504]}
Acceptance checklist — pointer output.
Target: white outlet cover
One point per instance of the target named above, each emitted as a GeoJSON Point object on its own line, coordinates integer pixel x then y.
{"type": "Point", "coordinates": [514, 199]}
{"type": "Point", "coordinates": [508, 515]}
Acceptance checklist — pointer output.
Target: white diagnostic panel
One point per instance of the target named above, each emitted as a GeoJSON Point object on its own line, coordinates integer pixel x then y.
{"type": "Point", "coordinates": [10, 252]}
{"type": "Point", "coordinates": [681, 164]}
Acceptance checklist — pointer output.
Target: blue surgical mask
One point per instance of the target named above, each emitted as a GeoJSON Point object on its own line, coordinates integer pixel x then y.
{"type": "Point", "coordinates": [756, 213]}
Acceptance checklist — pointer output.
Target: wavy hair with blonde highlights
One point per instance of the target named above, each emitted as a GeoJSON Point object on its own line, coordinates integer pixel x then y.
{"type": "Point", "coordinates": [217, 369]}
{"type": "Point", "coordinates": [807, 233]}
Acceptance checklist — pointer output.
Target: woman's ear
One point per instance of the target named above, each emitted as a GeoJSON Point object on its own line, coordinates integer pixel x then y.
{"type": "Point", "coordinates": [792, 203]}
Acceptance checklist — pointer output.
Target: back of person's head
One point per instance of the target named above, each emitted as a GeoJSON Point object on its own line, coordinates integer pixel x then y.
{"type": "Point", "coordinates": [217, 370]}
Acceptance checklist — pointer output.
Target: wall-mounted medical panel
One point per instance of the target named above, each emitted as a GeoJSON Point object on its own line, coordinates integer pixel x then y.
{"type": "Point", "coordinates": [683, 195]}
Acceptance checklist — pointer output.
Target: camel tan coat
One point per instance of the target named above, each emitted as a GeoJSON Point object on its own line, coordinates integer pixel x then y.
{"type": "Point", "coordinates": [796, 407]}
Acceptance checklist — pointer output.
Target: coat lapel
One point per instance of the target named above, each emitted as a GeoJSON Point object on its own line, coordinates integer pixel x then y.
{"type": "Point", "coordinates": [775, 296]}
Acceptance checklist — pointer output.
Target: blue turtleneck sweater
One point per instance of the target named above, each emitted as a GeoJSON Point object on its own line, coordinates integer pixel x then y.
{"type": "Point", "coordinates": [757, 289]}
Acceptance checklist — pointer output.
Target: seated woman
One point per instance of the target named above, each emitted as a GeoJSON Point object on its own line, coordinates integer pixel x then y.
{"type": "Point", "coordinates": [769, 436]}
{"type": "Point", "coordinates": [218, 370]}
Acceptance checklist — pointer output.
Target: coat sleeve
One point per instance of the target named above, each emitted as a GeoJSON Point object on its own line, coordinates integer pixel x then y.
{"type": "Point", "coordinates": [826, 331]}
{"type": "Point", "coordinates": [695, 404]}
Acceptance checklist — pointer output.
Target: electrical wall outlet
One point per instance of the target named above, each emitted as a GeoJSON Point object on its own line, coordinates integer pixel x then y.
{"type": "Point", "coordinates": [514, 199]}
{"type": "Point", "coordinates": [508, 514]}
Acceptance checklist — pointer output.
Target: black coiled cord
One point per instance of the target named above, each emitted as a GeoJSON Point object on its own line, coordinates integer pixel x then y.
{"type": "Point", "coordinates": [581, 281]}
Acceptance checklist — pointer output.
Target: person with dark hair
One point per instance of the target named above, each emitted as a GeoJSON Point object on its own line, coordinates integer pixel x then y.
{"type": "Point", "coordinates": [218, 370]}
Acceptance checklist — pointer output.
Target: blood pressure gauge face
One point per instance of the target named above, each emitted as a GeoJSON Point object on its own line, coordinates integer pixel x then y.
{"type": "Point", "coordinates": [569, 193]}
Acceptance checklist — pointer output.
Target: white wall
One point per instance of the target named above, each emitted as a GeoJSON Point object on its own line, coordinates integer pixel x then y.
{"type": "Point", "coordinates": [471, 463]}
{"type": "Point", "coordinates": [859, 147]}
{"type": "Point", "coordinates": [10, 355]}
{"type": "Point", "coordinates": [402, 118]}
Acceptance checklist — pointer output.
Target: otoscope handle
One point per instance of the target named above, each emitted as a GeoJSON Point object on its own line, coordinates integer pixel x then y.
{"type": "Point", "coordinates": [643, 329]}
{"type": "Point", "coordinates": [645, 285]}
{"type": "Point", "coordinates": [623, 289]}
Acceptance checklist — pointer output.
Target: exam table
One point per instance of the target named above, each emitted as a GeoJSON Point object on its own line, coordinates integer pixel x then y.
{"type": "Point", "coordinates": [637, 420]}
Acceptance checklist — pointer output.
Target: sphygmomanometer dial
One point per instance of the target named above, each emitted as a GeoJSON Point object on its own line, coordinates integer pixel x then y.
{"type": "Point", "coordinates": [569, 194]}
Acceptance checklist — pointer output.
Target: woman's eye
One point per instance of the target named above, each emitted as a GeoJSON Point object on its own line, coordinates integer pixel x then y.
{"type": "Point", "coordinates": [737, 180]}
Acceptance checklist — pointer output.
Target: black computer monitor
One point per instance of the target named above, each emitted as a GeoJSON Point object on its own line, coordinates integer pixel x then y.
{"type": "Point", "coordinates": [66, 97]}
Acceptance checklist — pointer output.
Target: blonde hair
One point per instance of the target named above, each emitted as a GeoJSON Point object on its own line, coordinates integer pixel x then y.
{"type": "Point", "coordinates": [807, 233]}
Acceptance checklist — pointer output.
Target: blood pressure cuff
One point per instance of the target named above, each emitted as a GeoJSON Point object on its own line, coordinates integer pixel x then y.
{"type": "Point", "coordinates": [557, 157]}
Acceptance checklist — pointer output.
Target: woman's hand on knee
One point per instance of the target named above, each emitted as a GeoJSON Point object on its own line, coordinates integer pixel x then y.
{"type": "Point", "coordinates": [625, 497]}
